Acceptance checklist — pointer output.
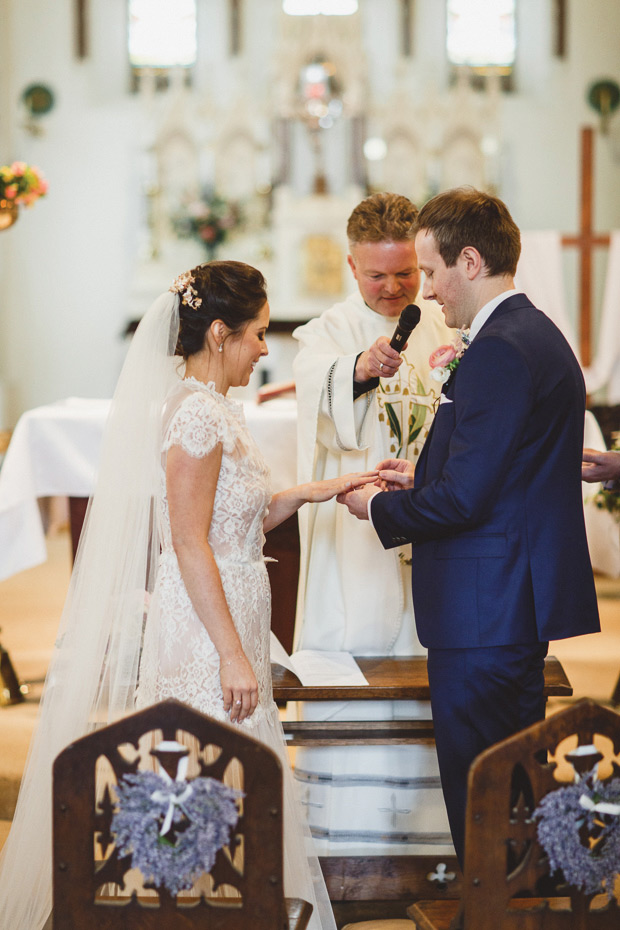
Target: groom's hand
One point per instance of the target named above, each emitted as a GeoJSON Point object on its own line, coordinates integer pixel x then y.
{"type": "Point", "coordinates": [396, 474]}
{"type": "Point", "coordinates": [357, 500]}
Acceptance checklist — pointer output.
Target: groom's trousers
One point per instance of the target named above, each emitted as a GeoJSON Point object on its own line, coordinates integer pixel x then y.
{"type": "Point", "coordinates": [480, 696]}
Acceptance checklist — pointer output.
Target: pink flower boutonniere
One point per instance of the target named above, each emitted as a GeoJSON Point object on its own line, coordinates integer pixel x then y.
{"type": "Point", "coordinates": [446, 359]}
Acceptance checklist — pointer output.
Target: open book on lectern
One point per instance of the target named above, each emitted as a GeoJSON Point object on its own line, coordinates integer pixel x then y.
{"type": "Point", "coordinates": [314, 667]}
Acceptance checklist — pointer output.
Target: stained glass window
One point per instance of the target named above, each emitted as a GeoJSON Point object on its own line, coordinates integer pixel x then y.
{"type": "Point", "coordinates": [314, 7]}
{"type": "Point", "coordinates": [162, 33]}
{"type": "Point", "coordinates": [481, 33]}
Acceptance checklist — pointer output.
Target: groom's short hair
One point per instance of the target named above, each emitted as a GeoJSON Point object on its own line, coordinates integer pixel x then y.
{"type": "Point", "coordinates": [466, 217]}
{"type": "Point", "coordinates": [383, 217]}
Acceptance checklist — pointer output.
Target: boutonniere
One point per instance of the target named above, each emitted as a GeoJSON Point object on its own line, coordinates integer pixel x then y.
{"type": "Point", "coordinates": [447, 358]}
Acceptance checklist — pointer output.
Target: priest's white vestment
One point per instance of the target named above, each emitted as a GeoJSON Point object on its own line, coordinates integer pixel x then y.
{"type": "Point", "coordinates": [353, 594]}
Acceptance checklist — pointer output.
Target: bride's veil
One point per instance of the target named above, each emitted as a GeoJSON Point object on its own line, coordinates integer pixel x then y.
{"type": "Point", "coordinates": [93, 673]}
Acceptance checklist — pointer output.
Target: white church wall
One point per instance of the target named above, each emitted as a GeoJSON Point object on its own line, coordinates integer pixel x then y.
{"type": "Point", "coordinates": [6, 253]}
{"type": "Point", "coordinates": [380, 30]}
{"type": "Point", "coordinates": [541, 121]}
{"type": "Point", "coordinates": [67, 268]}
{"type": "Point", "coordinates": [65, 264]}
{"type": "Point", "coordinates": [429, 40]}
{"type": "Point", "coordinates": [541, 128]}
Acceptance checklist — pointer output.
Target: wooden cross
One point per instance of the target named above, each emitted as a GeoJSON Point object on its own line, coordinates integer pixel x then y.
{"type": "Point", "coordinates": [586, 241]}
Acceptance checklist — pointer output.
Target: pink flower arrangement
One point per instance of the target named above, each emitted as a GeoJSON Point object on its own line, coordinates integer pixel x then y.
{"type": "Point", "coordinates": [21, 183]}
{"type": "Point", "coordinates": [210, 219]}
{"type": "Point", "coordinates": [442, 356]}
{"type": "Point", "coordinates": [446, 358]}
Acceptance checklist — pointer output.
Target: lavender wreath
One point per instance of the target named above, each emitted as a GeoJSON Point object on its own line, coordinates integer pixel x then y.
{"type": "Point", "coordinates": [173, 829]}
{"type": "Point", "coordinates": [579, 829]}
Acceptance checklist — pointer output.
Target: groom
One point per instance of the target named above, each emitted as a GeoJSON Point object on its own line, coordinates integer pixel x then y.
{"type": "Point", "coordinates": [500, 561]}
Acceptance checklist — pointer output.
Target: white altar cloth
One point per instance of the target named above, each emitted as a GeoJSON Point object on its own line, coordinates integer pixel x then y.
{"type": "Point", "coordinates": [55, 449]}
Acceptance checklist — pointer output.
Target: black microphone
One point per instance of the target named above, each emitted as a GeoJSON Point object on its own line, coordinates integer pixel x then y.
{"type": "Point", "coordinates": [407, 322]}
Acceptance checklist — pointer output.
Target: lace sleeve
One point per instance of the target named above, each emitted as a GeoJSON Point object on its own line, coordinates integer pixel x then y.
{"type": "Point", "coordinates": [198, 426]}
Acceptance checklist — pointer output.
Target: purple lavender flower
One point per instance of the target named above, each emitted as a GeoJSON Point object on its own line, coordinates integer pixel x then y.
{"type": "Point", "coordinates": [201, 825]}
{"type": "Point", "coordinates": [583, 843]}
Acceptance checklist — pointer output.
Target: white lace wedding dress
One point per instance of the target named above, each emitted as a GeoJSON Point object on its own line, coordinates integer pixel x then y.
{"type": "Point", "coordinates": [178, 658]}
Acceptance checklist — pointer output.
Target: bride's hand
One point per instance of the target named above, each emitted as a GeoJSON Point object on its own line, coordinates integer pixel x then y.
{"type": "Point", "coordinates": [239, 687]}
{"type": "Point", "coordinates": [317, 491]}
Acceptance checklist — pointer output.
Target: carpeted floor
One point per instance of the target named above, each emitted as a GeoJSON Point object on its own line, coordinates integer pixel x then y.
{"type": "Point", "coordinates": [30, 607]}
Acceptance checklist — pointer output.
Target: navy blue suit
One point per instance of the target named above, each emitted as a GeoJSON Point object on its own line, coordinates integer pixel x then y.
{"type": "Point", "coordinates": [500, 561]}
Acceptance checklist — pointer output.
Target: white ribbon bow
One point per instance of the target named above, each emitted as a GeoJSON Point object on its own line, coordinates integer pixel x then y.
{"type": "Point", "coordinates": [167, 794]}
{"type": "Point", "coordinates": [602, 807]}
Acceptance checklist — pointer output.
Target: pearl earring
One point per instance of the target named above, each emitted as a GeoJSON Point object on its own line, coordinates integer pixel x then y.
{"type": "Point", "coordinates": [220, 348]}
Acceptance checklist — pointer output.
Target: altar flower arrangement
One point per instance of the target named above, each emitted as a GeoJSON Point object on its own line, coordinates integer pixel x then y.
{"type": "Point", "coordinates": [610, 501]}
{"type": "Point", "coordinates": [210, 219]}
{"type": "Point", "coordinates": [579, 829]}
{"type": "Point", "coordinates": [21, 183]}
{"type": "Point", "coordinates": [173, 829]}
{"type": "Point", "coordinates": [446, 358]}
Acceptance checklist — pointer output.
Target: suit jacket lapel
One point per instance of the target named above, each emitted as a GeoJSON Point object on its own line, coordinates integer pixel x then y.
{"type": "Point", "coordinates": [511, 303]}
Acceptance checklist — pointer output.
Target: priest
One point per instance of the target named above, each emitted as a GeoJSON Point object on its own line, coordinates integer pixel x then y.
{"type": "Point", "coordinates": [359, 402]}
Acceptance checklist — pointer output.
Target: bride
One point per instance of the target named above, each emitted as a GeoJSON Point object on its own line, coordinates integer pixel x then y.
{"type": "Point", "coordinates": [173, 437]}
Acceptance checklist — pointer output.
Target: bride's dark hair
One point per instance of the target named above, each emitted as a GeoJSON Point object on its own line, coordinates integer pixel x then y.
{"type": "Point", "coordinates": [229, 291]}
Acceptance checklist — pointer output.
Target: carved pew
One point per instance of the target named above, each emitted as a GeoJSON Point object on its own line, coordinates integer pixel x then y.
{"type": "Point", "coordinates": [364, 888]}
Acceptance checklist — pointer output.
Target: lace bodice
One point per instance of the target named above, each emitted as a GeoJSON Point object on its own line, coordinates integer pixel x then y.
{"type": "Point", "coordinates": [201, 420]}
{"type": "Point", "coordinates": [179, 660]}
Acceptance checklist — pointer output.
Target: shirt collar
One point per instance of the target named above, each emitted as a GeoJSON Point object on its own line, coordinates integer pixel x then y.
{"type": "Point", "coordinates": [485, 312]}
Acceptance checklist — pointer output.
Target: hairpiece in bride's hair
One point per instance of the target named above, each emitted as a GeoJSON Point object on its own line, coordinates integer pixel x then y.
{"type": "Point", "coordinates": [183, 286]}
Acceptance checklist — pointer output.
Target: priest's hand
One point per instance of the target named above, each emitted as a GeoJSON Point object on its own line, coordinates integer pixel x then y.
{"type": "Point", "coordinates": [357, 500]}
{"type": "Point", "coordinates": [396, 474]}
{"type": "Point", "coordinates": [379, 361]}
{"type": "Point", "coordinates": [600, 466]}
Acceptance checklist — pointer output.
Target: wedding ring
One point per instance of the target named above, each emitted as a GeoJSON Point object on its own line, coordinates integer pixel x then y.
{"type": "Point", "coordinates": [237, 702]}
{"type": "Point", "coordinates": [380, 366]}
